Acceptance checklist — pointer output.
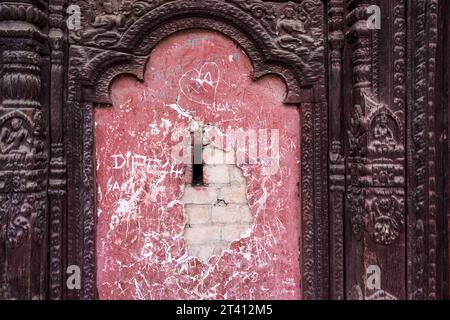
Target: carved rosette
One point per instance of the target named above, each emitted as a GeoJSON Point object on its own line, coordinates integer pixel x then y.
{"type": "Point", "coordinates": [23, 149]}
{"type": "Point", "coordinates": [380, 138]}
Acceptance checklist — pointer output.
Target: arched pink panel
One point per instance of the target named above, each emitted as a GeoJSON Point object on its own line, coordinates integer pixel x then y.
{"type": "Point", "coordinates": [196, 78]}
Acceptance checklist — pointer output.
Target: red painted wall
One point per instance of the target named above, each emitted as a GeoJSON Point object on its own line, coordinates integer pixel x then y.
{"type": "Point", "coordinates": [141, 246]}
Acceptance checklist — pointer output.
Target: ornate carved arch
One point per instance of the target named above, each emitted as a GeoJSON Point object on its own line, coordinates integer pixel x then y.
{"type": "Point", "coordinates": [109, 45]}
{"type": "Point", "coordinates": [300, 65]}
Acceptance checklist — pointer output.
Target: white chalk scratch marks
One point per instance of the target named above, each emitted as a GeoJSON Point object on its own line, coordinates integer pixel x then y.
{"type": "Point", "coordinates": [144, 148]}
{"type": "Point", "coordinates": [200, 86]}
{"type": "Point", "coordinates": [181, 112]}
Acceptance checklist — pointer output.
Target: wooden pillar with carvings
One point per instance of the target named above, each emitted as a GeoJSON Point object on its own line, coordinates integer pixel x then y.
{"type": "Point", "coordinates": [337, 166]}
{"type": "Point", "coordinates": [375, 113]}
{"type": "Point", "coordinates": [23, 150]}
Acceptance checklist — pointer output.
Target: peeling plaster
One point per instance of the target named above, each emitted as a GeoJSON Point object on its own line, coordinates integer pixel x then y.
{"type": "Point", "coordinates": [142, 251]}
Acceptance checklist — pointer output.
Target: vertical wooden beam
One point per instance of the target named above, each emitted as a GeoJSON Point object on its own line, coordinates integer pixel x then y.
{"type": "Point", "coordinates": [336, 161]}
{"type": "Point", "coordinates": [23, 150]}
{"type": "Point", "coordinates": [57, 175]}
{"type": "Point", "coordinates": [442, 154]}
{"type": "Point", "coordinates": [427, 229]}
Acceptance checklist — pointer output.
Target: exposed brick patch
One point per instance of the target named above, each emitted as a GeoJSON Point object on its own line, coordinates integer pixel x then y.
{"type": "Point", "coordinates": [217, 213]}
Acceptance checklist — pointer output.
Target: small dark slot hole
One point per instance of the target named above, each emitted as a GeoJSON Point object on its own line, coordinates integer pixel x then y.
{"type": "Point", "coordinates": [197, 168]}
{"type": "Point", "coordinates": [197, 175]}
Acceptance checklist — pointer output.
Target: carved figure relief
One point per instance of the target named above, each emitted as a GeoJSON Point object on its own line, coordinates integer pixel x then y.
{"type": "Point", "coordinates": [357, 133]}
{"type": "Point", "coordinates": [27, 215]}
{"type": "Point", "coordinates": [15, 138]}
{"type": "Point", "coordinates": [292, 33]}
{"type": "Point", "coordinates": [383, 135]}
{"type": "Point", "coordinates": [374, 142]}
{"type": "Point", "coordinates": [383, 163]}
{"type": "Point", "coordinates": [295, 28]}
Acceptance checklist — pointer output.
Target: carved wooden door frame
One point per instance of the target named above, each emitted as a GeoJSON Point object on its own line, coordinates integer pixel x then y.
{"type": "Point", "coordinates": [335, 70]}
{"type": "Point", "coordinates": [98, 55]}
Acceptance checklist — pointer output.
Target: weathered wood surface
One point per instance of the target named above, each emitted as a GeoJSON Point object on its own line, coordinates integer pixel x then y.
{"type": "Point", "coordinates": [374, 127]}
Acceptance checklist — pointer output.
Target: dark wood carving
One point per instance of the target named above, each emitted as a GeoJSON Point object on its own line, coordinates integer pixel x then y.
{"type": "Point", "coordinates": [23, 151]}
{"type": "Point", "coordinates": [445, 146]}
{"type": "Point", "coordinates": [392, 199]}
{"type": "Point", "coordinates": [57, 167]}
{"type": "Point", "coordinates": [283, 38]}
{"type": "Point", "coordinates": [375, 150]}
{"type": "Point", "coordinates": [375, 147]}
{"type": "Point", "coordinates": [427, 222]}
{"type": "Point", "coordinates": [337, 160]}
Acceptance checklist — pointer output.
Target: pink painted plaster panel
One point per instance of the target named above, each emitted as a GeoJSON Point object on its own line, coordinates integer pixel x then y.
{"type": "Point", "coordinates": [142, 253]}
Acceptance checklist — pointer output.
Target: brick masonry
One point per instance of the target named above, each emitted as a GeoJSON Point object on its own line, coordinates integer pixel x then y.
{"type": "Point", "coordinates": [217, 213]}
